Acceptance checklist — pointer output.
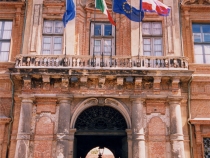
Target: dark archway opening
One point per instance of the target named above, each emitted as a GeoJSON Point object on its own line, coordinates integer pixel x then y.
{"type": "Point", "coordinates": [101, 126]}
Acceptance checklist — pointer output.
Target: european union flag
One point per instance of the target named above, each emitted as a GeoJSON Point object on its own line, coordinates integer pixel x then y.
{"type": "Point", "coordinates": [123, 7]}
{"type": "Point", "coordinates": [70, 12]}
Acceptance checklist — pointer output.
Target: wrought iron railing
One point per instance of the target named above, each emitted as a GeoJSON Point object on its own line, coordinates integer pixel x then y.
{"type": "Point", "coordinates": [106, 62]}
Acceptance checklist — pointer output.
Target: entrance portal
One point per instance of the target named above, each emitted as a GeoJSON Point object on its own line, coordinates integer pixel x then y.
{"type": "Point", "coordinates": [101, 126]}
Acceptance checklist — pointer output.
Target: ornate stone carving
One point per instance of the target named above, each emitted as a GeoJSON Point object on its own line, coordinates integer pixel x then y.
{"type": "Point", "coordinates": [26, 83]}
{"type": "Point", "coordinates": [110, 84]}
{"type": "Point", "coordinates": [65, 83]}
{"type": "Point", "coordinates": [101, 82]}
{"type": "Point", "coordinates": [92, 83]}
{"type": "Point", "coordinates": [120, 80]}
{"type": "Point", "coordinates": [91, 102]}
{"type": "Point", "coordinates": [147, 85]}
{"type": "Point", "coordinates": [138, 83]}
{"type": "Point", "coordinates": [101, 101]}
{"type": "Point", "coordinates": [189, 2]}
{"type": "Point", "coordinates": [110, 102]}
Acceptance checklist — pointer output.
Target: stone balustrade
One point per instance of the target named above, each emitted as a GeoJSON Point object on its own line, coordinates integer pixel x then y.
{"type": "Point", "coordinates": [105, 62]}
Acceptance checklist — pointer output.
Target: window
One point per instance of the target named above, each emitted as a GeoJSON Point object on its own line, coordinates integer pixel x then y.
{"type": "Point", "coordinates": [52, 37]}
{"type": "Point", "coordinates": [152, 38]}
{"type": "Point", "coordinates": [201, 34]}
{"type": "Point", "coordinates": [5, 37]}
{"type": "Point", "coordinates": [206, 143]}
{"type": "Point", "coordinates": [102, 39]}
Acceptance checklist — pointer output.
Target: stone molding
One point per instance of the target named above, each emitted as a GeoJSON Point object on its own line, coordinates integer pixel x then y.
{"type": "Point", "coordinates": [174, 100]}
{"type": "Point", "coordinates": [64, 98]}
{"type": "Point", "coordinates": [177, 137]}
{"type": "Point", "coordinates": [4, 120]}
{"type": "Point", "coordinates": [23, 136]}
{"type": "Point", "coordinates": [200, 121]}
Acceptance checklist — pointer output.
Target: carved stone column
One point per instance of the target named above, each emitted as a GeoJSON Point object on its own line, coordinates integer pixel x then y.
{"type": "Point", "coordinates": [23, 136]}
{"type": "Point", "coordinates": [129, 138]}
{"type": "Point", "coordinates": [137, 128]}
{"type": "Point", "coordinates": [3, 121]}
{"type": "Point", "coordinates": [63, 132]}
{"type": "Point", "coordinates": [176, 130]}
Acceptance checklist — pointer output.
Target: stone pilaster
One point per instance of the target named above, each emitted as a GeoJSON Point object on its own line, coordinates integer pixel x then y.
{"type": "Point", "coordinates": [137, 128]}
{"type": "Point", "coordinates": [176, 131]}
{"type": "Point", "coordinates": [129, 139]}
{"type": "Point", "coordinates": [63, 134]}
{"type": "Point", "coordinates": [23, 136]}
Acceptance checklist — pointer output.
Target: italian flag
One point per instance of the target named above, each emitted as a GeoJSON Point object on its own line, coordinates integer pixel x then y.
{"type": "Point", "coordinates": [101, 5]}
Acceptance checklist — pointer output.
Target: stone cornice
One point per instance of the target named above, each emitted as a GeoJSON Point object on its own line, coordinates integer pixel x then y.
{"type": "Point", "coordinates": [174, 99]}
{"type": "Point", "coordinates": [201, 121]}
{"type": "Point", "coordinates": [11, 3]}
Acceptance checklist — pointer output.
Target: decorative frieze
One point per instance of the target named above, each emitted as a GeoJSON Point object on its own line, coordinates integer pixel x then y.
{"type": "Point", "coordinates": [138, 83]}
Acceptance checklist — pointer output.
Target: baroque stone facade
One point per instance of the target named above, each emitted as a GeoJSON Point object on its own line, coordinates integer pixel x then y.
{"type": "Point", "coordinates": [158, 105]}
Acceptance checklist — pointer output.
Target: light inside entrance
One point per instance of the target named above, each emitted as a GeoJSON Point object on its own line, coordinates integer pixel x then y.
{"type": "Point", "coordinates": [106, 153]}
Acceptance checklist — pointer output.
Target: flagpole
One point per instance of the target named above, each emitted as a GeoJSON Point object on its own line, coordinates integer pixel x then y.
{"type": "Point", "coordinates": [139, 28]}
{"type": "Point", "coordinates": [65, 31]}
{"type": "Point", "coordinates": [94, 35]}
{"type": "Point", "coordinates": [111, 41]}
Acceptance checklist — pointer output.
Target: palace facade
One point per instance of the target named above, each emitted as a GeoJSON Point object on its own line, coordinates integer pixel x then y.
{"type": "Point", "coordinates": [142, 90]}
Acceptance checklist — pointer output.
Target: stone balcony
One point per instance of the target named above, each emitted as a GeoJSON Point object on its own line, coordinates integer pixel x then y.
{"type": "Point", "coordinates": [101, 62]}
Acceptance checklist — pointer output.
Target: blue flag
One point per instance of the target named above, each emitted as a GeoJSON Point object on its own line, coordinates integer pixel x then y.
{"type": "Point", "coordinates": [123, 7]}
{"type": "Point", "coordinates": [70, 12]}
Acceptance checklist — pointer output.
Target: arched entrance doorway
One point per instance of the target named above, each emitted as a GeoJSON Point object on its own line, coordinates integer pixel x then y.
{"type": "Point", "coordinates": [102, 126]}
